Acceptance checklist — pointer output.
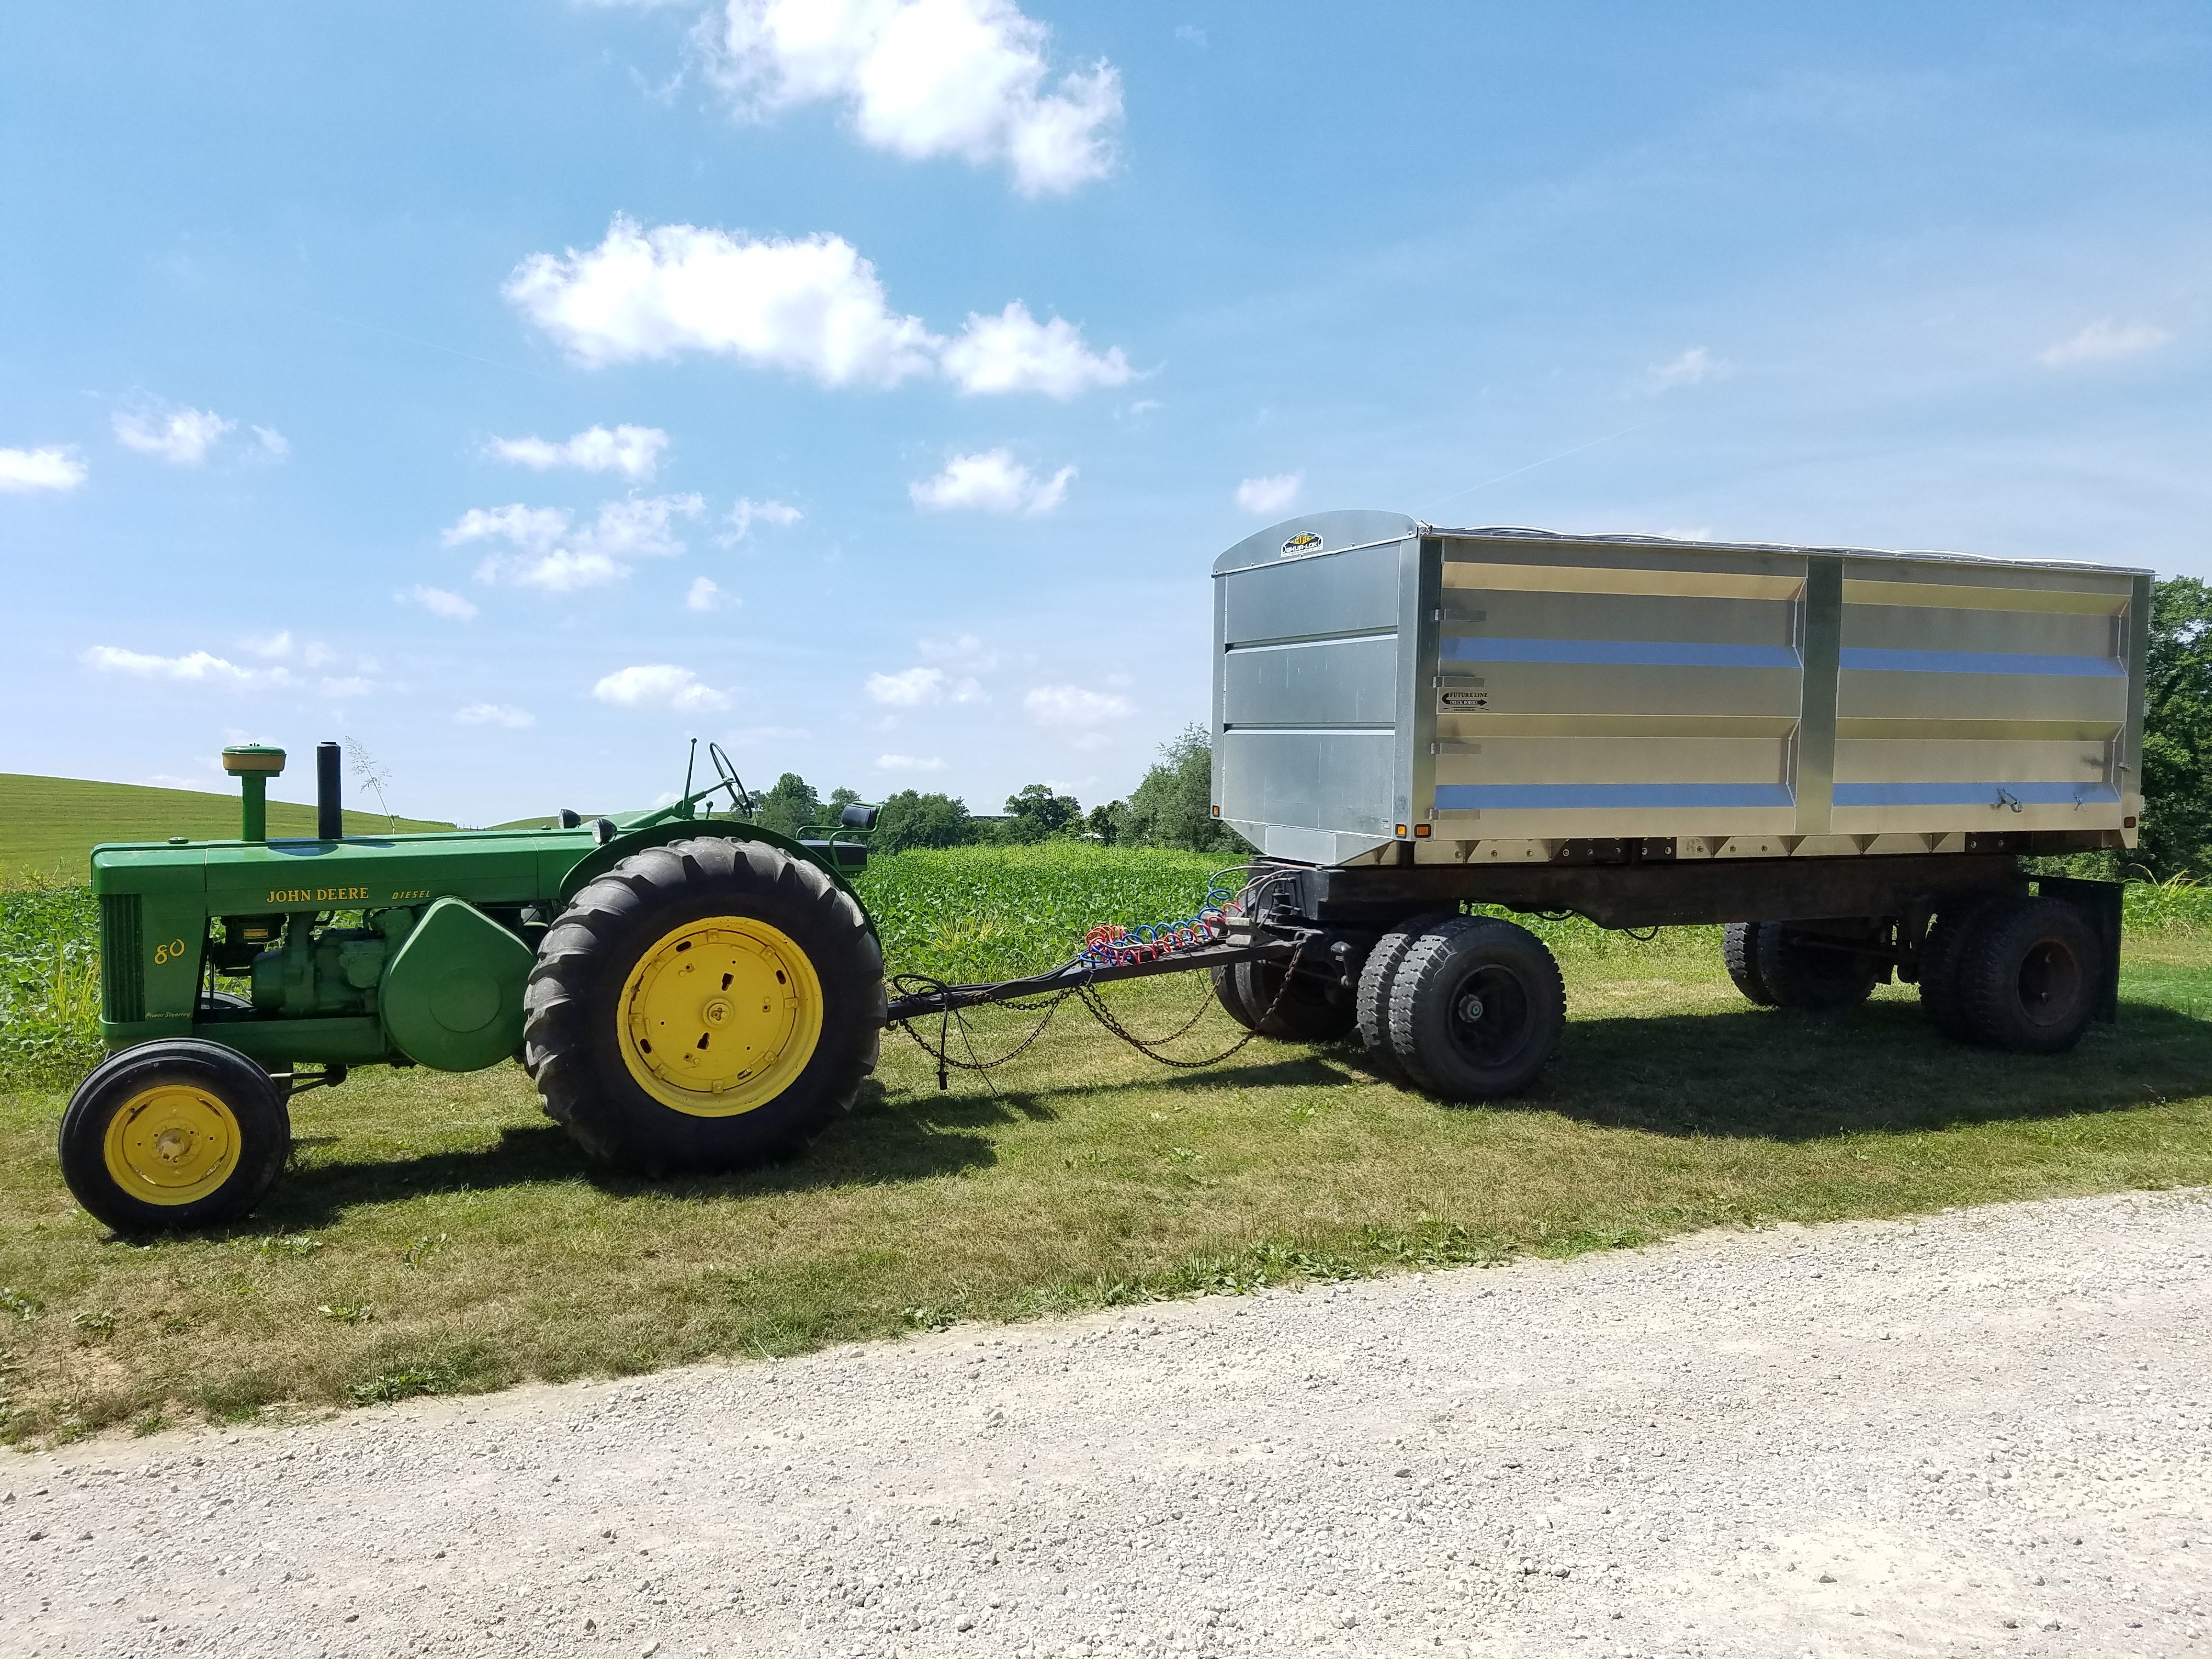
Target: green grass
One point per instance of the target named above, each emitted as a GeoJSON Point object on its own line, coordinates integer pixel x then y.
{"type": "Point", "coordinates": [49, 825]}
{"type": "Point", "coordinates": [436, 1234]}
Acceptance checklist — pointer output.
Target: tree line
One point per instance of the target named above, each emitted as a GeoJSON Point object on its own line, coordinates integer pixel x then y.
{"type": "Point", "coordinates": [1172, 807]}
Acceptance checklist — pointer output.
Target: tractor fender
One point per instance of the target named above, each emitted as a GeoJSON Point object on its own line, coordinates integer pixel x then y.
{"type": "Point", "coordinates": [600, 859]}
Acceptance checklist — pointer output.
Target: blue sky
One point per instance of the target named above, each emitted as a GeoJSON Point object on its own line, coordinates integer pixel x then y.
{"type": "Point", "coordinates": [520, 388]}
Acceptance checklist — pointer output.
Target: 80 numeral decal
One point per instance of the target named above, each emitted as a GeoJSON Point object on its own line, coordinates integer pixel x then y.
{"type": "Point", "coordinates": [168, 953]}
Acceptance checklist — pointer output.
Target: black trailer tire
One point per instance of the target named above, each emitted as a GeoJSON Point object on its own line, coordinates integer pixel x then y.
{"type": "Point", "coordinates": [1301, 1012]}
{"type": "Point", "coordinates": [2027, 976]}
{"type": "Point", "coordinates": [1230, 999]}
{"type": "Point", "coordinates": [1739, 940]}
{"type": "Point", "coordinates": [1940, 956]}
{"type": "Point", "coordinates": [177, 1134]}
{"type": "Point", "coordinates": [799, 1009]}
{"type": "Point", "coordinates": [1808, 975]}
{"type": "Point", "coordinates": [1371, 1004]}
{"type": "Point", "coordinates": [1477, 1008]}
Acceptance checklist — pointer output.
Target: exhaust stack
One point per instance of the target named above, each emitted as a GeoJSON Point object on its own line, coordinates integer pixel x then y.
{"type": "Point", "coordinates": [330, 813]}
{"type": "Point", "coordinates": [253, 764]}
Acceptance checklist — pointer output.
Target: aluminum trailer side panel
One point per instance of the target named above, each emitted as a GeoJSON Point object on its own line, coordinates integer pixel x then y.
{"type": "Point", "coordinates": [1514, 691]}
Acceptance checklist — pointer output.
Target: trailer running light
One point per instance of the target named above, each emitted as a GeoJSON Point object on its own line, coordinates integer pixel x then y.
{"type": "Point", "coordinates": [1217, 812]}
{"type": "Point", "coordinates": [1401, 832]}
{"type": "Point", "coordinates": [1420, 830]}
{"type": "Point", "coordinates": [2128, 821]}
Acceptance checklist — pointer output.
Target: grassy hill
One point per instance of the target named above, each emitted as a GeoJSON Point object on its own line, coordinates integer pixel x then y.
{"type": "Point", "coordinates": [49, 824]}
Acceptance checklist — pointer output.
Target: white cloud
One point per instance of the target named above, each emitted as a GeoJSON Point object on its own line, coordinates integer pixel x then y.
{"type": "Point", "coordinates": [992, 482]}
{"type": "Point", "coordinates": [269, 645]}
{"type": "Point", "coordinates": [194, 668]}
{"type": "Point", "coordinates": [1072, 707]}
{"type": "Point", "coordinates": [452, 607]}
{"type": "Point", "coordinates": [965, 651]}
{"type": "Point", "coordinates": [1014, 352]}
{"type": "Point", "coordinates": [273, 444]}
{"type": "Point", "coordinates": [926, 78]}
{"type": "Point", "coordinates": [909, 763]}
{"type": "Point", "coordinates": [551, 554]}
{"type": "Point", "coordinates": [748, 513]}
{"type": "Point", "coordinates": [660, 685]}
{"type": "Point", "coordinates": [2101, 342]}
{"type": "Point", "coordinates": [54, 467]}
{"type": "Point", "coordinates": [705, 594]}
{"type": "Point", "coordinates": [494, 713]}
{"type": "Point", "coordinates": [912, 688]}
{"type": "Point", "coordinates": [814, 306]}
{"type": "Point", "coordinates": [1695, 366]}
{"type": "Point", "coordinates": [632, 451]}
{"type": "Point", "coordinates": [179, 436]}
{"type": "Point", "coordinates": [1266, 495]}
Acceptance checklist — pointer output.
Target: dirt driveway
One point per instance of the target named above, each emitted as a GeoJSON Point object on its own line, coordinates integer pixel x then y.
{"type": "Point", "coordinates": [1986, 1431]}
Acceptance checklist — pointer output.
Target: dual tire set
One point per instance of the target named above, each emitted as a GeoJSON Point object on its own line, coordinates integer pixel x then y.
{"type": "Point", "coordinates": [1472, 1007]}
{"type": "Point", "coordinates": [2000, 970]}
{"type": "Point", "coordinates": [1459, 1007]}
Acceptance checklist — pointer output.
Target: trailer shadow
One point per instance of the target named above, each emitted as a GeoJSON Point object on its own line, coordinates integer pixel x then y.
{"type": "Point", "coordinates": [1775, 1075]}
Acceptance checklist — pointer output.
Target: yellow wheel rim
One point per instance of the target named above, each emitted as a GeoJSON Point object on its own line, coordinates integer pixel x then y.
{"type": "Point", "coordinates": [720, 1016]}
{"type": "Point", "coordinates": [171, 1144]}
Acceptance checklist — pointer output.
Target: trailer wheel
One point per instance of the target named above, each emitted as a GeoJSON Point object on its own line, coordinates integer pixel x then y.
{"type": "Point", "coordinates": [1230, 999]}
{"type": "Point", "coordinates": [1739, 942]}
{"type": "Point", "coordinates": [1940, 956]}
{"type": "Point", "coordinates": [2028, 973]}
{"type": "Point", "coordinates": [703, 1005]}
{"type": "Point", "coordinates": [1301, 1012]}
{"type": "Point", "coordinates": [1372, 1004]}
{"type": "Point", "coordinates": [1801, 972]}
{"type": "Point", "coordinates": [172, 1134]}
{"type": "Point", "coordinates": [1476, 1008]}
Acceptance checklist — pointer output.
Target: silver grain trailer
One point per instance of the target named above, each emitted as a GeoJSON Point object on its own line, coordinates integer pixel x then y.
{"type": "Point", "coordinates": [1840, 755]}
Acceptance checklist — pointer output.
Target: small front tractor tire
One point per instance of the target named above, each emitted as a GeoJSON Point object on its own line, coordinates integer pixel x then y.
{"type": "Point", "coordinates": [177, 1134]}
{"type": "Point", "coordinates": [704, 1005]}
{"type": "Point", "coordinates": [1477, 1008]}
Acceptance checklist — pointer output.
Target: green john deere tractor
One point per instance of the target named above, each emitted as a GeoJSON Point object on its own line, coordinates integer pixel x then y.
{"type": "Point", "coordinates": [687, 989]}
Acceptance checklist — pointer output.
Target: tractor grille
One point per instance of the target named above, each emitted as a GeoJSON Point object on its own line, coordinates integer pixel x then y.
{"type": "Point", "coordinates": [122, 960]}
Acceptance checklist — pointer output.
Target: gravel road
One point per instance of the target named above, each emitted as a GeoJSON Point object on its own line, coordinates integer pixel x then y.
{"type": "Point", "coordinates": [1981, 1432]}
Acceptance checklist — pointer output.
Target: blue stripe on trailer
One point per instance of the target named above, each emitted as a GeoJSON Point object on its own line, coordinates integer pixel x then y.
{"type": "Point", "coordinates": [1975, 794]}
{"type": "Point", "coordinates": [1858, 658]}
{"type": "Point", "coordinates": [1509, 797]}
{"type": "Point", "coordinates": [1641, 654]}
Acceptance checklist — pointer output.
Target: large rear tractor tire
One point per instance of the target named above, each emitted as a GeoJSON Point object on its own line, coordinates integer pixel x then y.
{"type": "Point", "coordinates": [703, 1006]}
{"type": "Point", "coordinates": [172, 1134]}
{"type": "Point", "coordinates": [1372, 1004]}
{"type": "Point", "coordinates": [1476, 1008]}
{"type": "Point", "coordinates": [2027, 976]}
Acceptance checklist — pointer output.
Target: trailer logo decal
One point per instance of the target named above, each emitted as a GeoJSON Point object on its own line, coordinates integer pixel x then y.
{"type": "Point", "coordinates": [1466, 700]}
{"type": "Point", "coordinates": [1305, 542]}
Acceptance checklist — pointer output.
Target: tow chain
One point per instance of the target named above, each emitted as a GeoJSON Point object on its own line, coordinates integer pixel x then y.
{"type": "Point", "coordinates": [1149, 1048]}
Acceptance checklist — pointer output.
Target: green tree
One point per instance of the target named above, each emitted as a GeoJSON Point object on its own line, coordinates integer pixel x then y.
{"type": "Point", "coordinates": [789, 806]}
{"type": "Point", "coordinates": [1173, 807]}
{"type": "Point", "coordinates": [1105, 822]}
{"type": "Point", "coordinates": [2177, 758]}
{"type": "Point", "coordinates": [1037, 814]}
{"type": "Point", "coordinates": [908, 819]}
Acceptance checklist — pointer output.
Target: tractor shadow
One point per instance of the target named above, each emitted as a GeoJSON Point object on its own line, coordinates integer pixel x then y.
{"type": "Point", "coordinates": [875, 1143]}
{"type": "Point", "coordinates": [1771, 1074]}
